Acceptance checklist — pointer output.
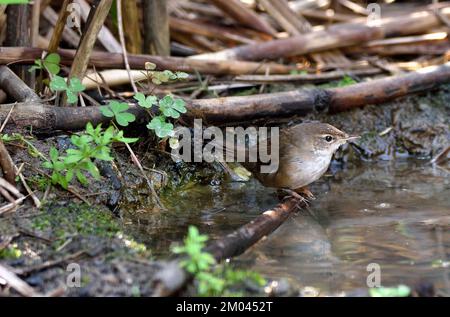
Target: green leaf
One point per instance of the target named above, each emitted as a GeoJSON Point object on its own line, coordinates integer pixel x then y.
{"type": "Point", "coordinates": [76, 86]}
{"type": "Point", "coordinates": [125, 118]}
{"type": "Point", "coordinates": [81, 178]}
{"type": "Point", "coordinates": [58, 84]}
{"type": "Point", "coordinates": [170, 113]}
{"type": "Point", "coordinates": [140, 97]}
{"type": "Point", "coordinates": [150, 66]}
{"type": "Point", "coordinates": [156, 81]}
{"type": "Point", "coordinates": [160, 126]}
{"type": "Point", "coordinates": [106, 111]}
{"type": "Point", "coordinates": [53, 154]}
{"type": "Point", "coordinates": [69, 176]}
{"type": "Point", "coordinates": [182, 75]}
{"type": "Point", "coordinates": [63, 181]}
{"type": "Point", "coordinates": [71, 96]}
{"type": "Point", "coordinates": [47, 165]}
{"type": "Point", "coordinates": [172, 108]}
{"type": "Point", "coordinates": [118, 107]}
{"type": "Point", "coordinates": [166, 102]}
{"type": "Point", "coordinates": [146, 102]}
{"type": "Point", "coordinates": [51, 63]}
{"type": "Point", "coordinates": [90, 128]}
{"type": "Point", "coordinates": [107, 136]}
{"type": "Point", "coordinates": [399, 291]}
{"type": "Point", "coordinates": [103, 155]}
{"type": "Point", "coordinates": [37, 66]}
{"type": "Point", "coordinates": [126, 140]}
{"type": "Point", "coordinates": [92, 169]}
{"type": "Point", "coordinates": [118, 110]}
{"type": "Point", "coordinates": [75, 157]}
{"type": "Point", "coordinates": [169, 75]}
{"type": "Point", "coordinates": [58, 166]}
{"type": "Point", "coordinates": [179, 105]}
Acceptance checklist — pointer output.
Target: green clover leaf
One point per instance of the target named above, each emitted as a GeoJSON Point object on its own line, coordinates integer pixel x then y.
{"type": "Point", "coordinates": [181, 75]}
{"type": "Point", "coordinates": [118, 110]}
{"type": "Point", "coordinates": [58, 84]}
{"type": "Point", "coordinates": [171, 107]}
{"type": "Point", "coordinates": [146, 102]}
{"type": "Point", "coordinates": [72, 90]}
{"type": "Point", "coordinates": [51, 63]}
{"type": "Point", "coordinates": [160, 126]}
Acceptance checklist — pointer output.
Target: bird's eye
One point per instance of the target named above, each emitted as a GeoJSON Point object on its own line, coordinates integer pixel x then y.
{"type": "Point", "coordinates": [329, 138]}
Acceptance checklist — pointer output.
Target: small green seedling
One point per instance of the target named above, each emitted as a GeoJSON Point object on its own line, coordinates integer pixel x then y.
{"type": "Point", "coordinates": [193, 247]}
{"type": "Point", "coordinates": [159, 78]}
{"type": "Point", "coordinates": [346, 81]}
{"type": "Point", "coordinates": [94, 144]}
{"type": "Point", "coordinates": [212, 279]}
{"type": "Point", "coordinates": [298, 72]}
{"type": "Point", "coordinates": [118, 111]}
{"type": "Point", "coordinates": [169, 107]}
{"type": "Point", "coordinates": [72, 89]}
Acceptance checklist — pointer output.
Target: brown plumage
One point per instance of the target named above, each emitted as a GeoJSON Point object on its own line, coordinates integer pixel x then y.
{"type": "Point", "coordinates": [305, 152]}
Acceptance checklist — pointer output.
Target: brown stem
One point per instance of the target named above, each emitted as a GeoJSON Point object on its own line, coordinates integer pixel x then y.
{"type": "Point", "coordinates": [231, 110]}
{"type": "Point", "coordinates": [115, 60]}
{"type": "Point", "coordinates": [59, 27]}
{"type": "Point", "coordinates": [7, 164]}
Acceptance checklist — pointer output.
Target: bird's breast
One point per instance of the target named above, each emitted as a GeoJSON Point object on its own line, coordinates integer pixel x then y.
{"type": "Point", "coordinates": [296, 172]}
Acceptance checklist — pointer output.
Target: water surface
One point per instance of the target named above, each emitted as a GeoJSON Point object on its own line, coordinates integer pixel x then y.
{"type": "Point", "coordinates": [396, 215]}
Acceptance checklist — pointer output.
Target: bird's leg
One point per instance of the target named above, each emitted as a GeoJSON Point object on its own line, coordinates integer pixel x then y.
{"type": "Point", "coordinates": [305, 192]}
{"type": "Point", "coordinates": [294, 194]}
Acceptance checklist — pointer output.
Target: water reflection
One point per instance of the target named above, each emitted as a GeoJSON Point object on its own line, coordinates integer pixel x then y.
{"type": "Point", "coordinates": [394, 214]}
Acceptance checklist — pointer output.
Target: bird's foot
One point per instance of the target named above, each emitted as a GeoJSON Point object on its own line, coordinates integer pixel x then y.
{"type": "Point", "coordinates": [305, 192]}
{"type": "Point", "coordinates": [301, 200]}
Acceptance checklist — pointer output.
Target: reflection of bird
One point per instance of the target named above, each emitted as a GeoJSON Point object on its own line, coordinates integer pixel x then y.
{"type": "Point", "coordinates": [305, 152]}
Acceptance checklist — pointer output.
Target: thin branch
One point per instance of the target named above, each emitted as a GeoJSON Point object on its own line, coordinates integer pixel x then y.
{"type": "Point", "coordinates": [122, 44]}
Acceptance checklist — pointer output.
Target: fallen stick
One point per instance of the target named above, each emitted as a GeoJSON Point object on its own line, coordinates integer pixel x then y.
{"type": "Point", "coordinates": [231, 110]}
{"type": "Point", "coordinates": [15, 87]}
{"type": "Point", "coordinates": [245, 16]}
{"type": "Point", "coordinates": [302, 101]}
{"type": "Point", "coordinates": [307, 78]}
{"type": "Point", "coordinates": [105, 37]}
{"type": "Point", "coordinates": [336, 36]}
{"type": "Point", "coordinates": [240, 240]}
{"type": "Point", "coordinates": [115, 60]}
{"type": "Point", "coordinates": [171, 279]}
{"type": "Point", "coordinates": [16, 283]}
{"type": "Point", "coordinates": [7, 164]}
{"type": "Point", "coordinates": [94, 25]}
{"type": "Point", "coordinates": [208, 30]}
{"type": "Point", "coordinates": [117, 77]}
{"type": "Point", "coordinates": [437, 48]}
{"type": "Point", "coordinates": [61, 29]}
{"type": "Point", "coordinates": [10, 187]}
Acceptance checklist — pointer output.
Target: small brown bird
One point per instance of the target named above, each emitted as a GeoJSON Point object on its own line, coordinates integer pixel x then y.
{"type": "Point", "coordinates": [305, 152]}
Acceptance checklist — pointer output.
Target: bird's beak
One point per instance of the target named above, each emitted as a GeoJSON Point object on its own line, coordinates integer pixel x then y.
{"type": "Point", "coordinates": [351, 138]}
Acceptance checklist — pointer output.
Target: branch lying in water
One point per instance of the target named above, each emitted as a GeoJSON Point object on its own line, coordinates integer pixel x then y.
{"type": "Point", "coordinates": [172, 279]}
